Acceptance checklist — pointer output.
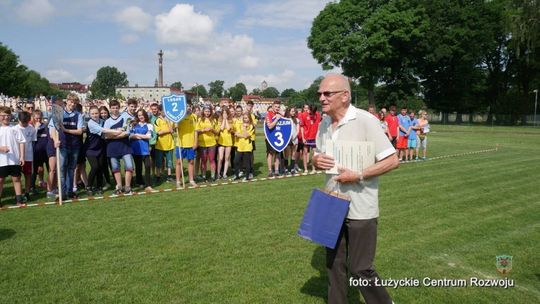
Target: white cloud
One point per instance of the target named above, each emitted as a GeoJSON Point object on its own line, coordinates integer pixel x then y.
{"type": "Point", "coordinates": [59, 75]}
{"type": "Point", "coordinates": [283, 13]}
{"type": "Point", "coordinates": [129, 38]}
{"type": "Point", "coordinates": [227, 50]}
{"type": "Point", "coordinates": [183, 25]}
{"type": "Point", "coordinates": [170, 54]}
{"type": "Point", "coordinates": [134, 18]}
{"type": "Point", "coordinates": [35, 11]}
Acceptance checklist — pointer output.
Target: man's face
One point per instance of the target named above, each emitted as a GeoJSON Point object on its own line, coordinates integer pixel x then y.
{"type": "Point", "coordinates": [393, 110]}
{"type": "Point", "coordinates": [155, 110]}
{"type": "Point", "coordinates": [332, 95]}
{"type": "Point", "coordinates": [70, 105]}
{"type": "Point", "coordinates": [249, 107]}
{"type": "Point", "coordinates": [5, 117]}
{"type": "Point", "coordinates": [115, 110]}
{"type": "Point", "coordinates": [29, 108]}
{"type": "Point", "coordinates": [275, 107]}
{"type": "Point", "coordinates": [403, 111]}
{"type": "Point", "coordinates": [132, 108]}
{"type": "Point", "coordinates": [238, 112]}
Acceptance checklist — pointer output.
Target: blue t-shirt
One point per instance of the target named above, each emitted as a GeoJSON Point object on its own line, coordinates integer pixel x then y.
{"type": "Point", "coordinates": [40, 146]}
{"type": "Point", "coordinates": [94, 142]}
{"type": "Point", "coordinates": [141, 146]}
{"type": "Point", "coordinates": [405, 122]}
{"type": "Point", "coordinates": [118, 147]}
{"type": "Point", "coordinates": [414, 123]}
{"type": "Point", "coordinates": [72, 121]}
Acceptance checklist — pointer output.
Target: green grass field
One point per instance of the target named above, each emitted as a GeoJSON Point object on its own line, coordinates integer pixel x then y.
{"type": "Point", "coordinates": [442, 218]}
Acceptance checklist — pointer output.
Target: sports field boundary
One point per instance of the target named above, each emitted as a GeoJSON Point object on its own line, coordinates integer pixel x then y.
{"type": "Point", "coordinates": [203, 186]}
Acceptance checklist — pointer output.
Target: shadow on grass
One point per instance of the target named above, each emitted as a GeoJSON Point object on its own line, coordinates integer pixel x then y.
{"type": "Point", "coordinates": [317, 285]}
{"type": "Point", "coordinates": [6, 234]}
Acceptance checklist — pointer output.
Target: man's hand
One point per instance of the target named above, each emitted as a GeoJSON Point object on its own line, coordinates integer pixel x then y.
{"type": "Point", "coordinates": [57, 144]}
{"type": "Point", "coordinates": [347, 176]}
{"type": "Point", "coordinates": [323, 161]}
{"type": "Point", "coordinates": [21, 161]}
{"type": "Point", "coordinates": [4, 149]}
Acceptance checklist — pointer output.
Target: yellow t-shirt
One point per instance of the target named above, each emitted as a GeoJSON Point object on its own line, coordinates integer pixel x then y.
{"type": "Point", "coordinates": [254, 119]}
{"type": "Point", "coordinates": [225, 136]}
{"type": "Point", "coordinates": [186, 131]}
{"type": "Point", "coordinates": [236, 122]}
{"type": "Point", "coordinates": [244, 144]}
{"type": "Point", "coordinates": [208, 138]}
{"type": "Point", "coordinates": [164, 142]}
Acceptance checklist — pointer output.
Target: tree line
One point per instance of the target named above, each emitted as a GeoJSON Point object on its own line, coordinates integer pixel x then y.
{"type": "Point", "coordinates": [454, 56]}
{"type": "Point", "coordinates": [17, 79]}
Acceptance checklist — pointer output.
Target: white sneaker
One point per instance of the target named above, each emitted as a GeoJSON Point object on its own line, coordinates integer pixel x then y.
{"type": "Point", "coordinates": [193, 183]}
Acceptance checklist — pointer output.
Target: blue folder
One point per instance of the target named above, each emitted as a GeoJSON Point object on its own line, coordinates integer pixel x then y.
{"type": "Point", "coordinates": [323, 218]}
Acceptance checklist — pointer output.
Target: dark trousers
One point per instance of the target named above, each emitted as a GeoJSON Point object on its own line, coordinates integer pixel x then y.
{"type": "Point", "coordinates": [242, 160]}
{"type": "Point", "coordinates": [141, 160]}
{"type": "Point", "coordinates": [105, 165]}
{"type": "Point", "coordinates": [358, 238]}
{"type": "Point", "coordinates": [96, 171]}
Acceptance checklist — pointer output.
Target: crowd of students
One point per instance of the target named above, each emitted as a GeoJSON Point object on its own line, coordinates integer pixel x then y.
{"type": "Point", "coordinates": [216, 141]}
{"type": "Point", "coordinates": [406, 132]}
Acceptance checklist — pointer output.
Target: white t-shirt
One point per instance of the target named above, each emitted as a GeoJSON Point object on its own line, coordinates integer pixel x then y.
{"type": "Point", "coordinates": [30, 135]}
{"type": "Point", "coordinates": [10, 137]}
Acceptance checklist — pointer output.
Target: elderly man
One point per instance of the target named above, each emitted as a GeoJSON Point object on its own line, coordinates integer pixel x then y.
{"type": "Point", "coordinates": [359, 231]}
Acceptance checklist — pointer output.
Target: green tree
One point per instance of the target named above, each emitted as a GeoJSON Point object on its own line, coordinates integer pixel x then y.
{"type": "Point", "coordinates": [177, 85]}
{"type": "Point", "coordinates": [200, 90]}
{"type": "Point", "coordinates": [270, 92]}
{"type": "Point", "coordinates": [34, 84]}
{"type": "Point", "coordinates": [371, 41]}
{"type": "Point", "coordinates": [216, 88]}
{"type": "Point", "coordinates": [107, 80]}
{"type": "Point", "coordinates": [288, 93]}
{"type": "Point", "coordinates": [256, 91]}
{"type": "Point", "coordinates": [454, 76]}
{"type": "Point", "coordinates": [237, 91]}
{"type": "Point", "coordinates": [13, 74]}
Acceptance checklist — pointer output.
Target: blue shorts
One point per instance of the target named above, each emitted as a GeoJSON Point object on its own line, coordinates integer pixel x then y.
{"type": "Point", "coordinates": [128, 163]}
{"type": "Point", "coordinates": [411, 143]}
{"type": "Point", "coordinates": [187, 153]}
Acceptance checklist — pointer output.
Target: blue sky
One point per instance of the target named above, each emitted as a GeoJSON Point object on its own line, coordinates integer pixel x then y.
{"type": "Point", "coordinates": [234, 41]}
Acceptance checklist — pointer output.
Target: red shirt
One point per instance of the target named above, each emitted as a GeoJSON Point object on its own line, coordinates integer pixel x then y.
{"type": "Point", "coordinates": [311, 125]}
{"type": "Point", "coordinates": [392, 122]}
{"type": "Point", "coordinates": [269, 117]}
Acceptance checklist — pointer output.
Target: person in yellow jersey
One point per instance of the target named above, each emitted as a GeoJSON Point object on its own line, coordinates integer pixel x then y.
{"type": "Point", "coordinates": [186, 146]}
{"type": "Point", "coordinates": [164, 147]}
{"type": "Point", "coordinates": [237, 119]}
{"type": "Point", "coordinates": [225, 142]}
{"type": "Point", "coordinates": [207, 130]}
{"type": "Point", "coordinates": [249, 109]}
{"type": "Point", "coordinates": [245, 135]}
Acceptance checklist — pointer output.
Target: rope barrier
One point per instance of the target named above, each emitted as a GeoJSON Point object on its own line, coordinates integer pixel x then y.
{"type": "Point", "coordinates": [202, 186]}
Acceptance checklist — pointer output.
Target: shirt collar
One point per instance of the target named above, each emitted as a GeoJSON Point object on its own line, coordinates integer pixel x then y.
{"type": "Point", "coordinates": [349, 115]}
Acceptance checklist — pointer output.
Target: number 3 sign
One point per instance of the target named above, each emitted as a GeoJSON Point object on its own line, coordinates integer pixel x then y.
{"type": "Point", "coordinates": [280, 136]}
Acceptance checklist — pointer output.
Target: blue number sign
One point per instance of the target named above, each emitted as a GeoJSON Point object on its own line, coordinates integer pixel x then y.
{"type": "Point", "coordinates": [280, 135]}
{"type": "Point", "coordinates": [174, 107]}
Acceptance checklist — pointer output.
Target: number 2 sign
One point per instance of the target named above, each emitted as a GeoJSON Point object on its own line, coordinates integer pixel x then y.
{"type": "Point", "coordinates": [174, 107]}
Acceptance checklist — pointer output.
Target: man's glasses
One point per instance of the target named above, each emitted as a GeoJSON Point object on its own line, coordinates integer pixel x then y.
{"type": "Point", "coordinates": [328, 94]}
